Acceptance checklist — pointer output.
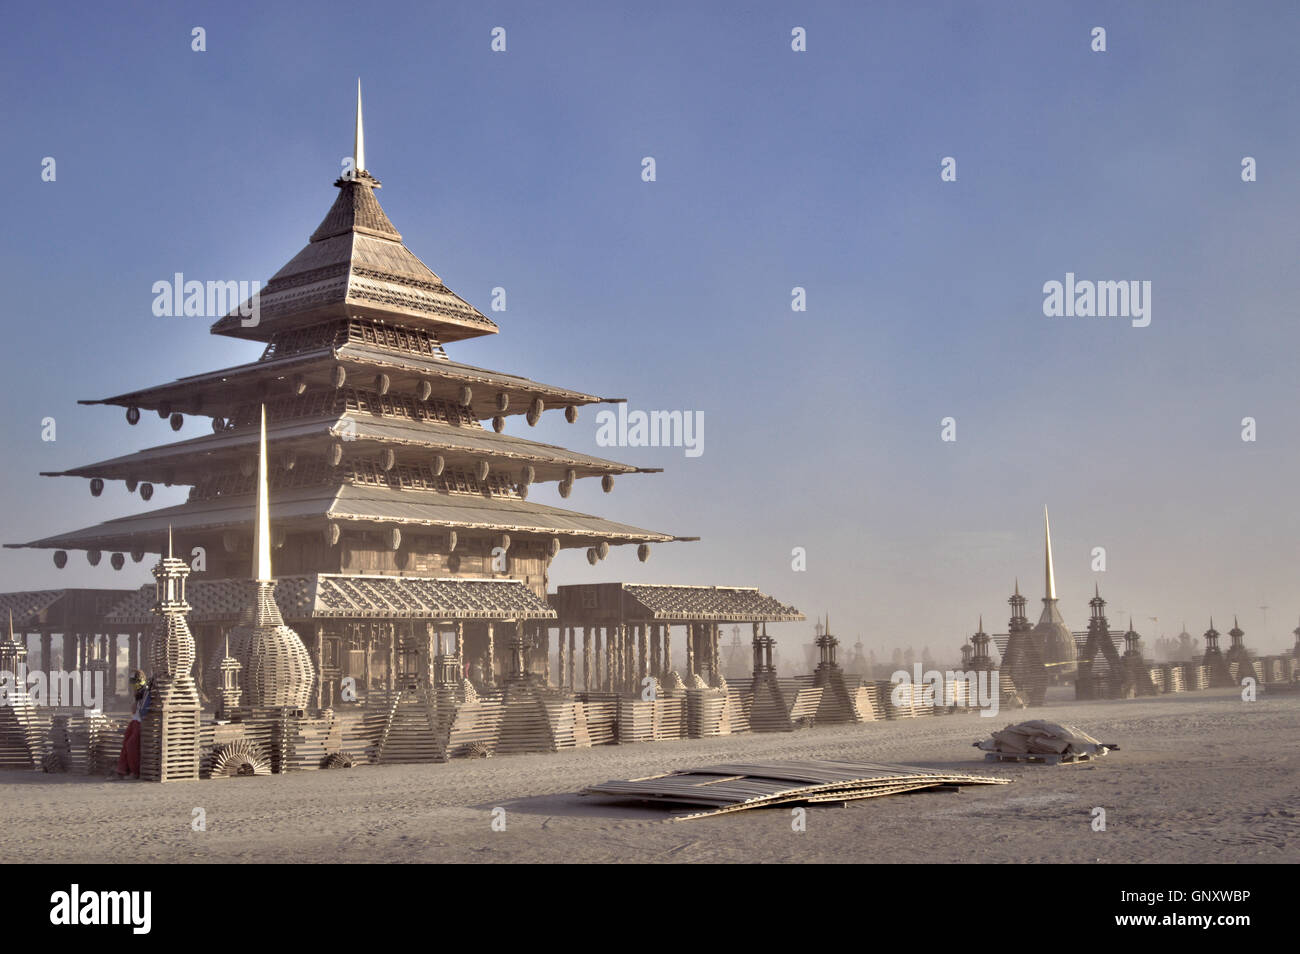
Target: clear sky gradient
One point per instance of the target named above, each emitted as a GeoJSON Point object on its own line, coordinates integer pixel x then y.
{"type": "Point", "coordinates": [775, 169]}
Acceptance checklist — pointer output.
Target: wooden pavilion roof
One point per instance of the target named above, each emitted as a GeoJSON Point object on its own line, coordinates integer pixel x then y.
{"type": "Point", "coordinates": [347, 596]}
{"type": "Point", "coordinates": [65, 610]}
{"type": "Point", "coordinates": [671, 603]}
{"type": "Point", "coordinates": [313, 507]}
{"type": "Point", "coordinates": [355, 263]}
{"type": "Point", "coordinates": [364, 435]}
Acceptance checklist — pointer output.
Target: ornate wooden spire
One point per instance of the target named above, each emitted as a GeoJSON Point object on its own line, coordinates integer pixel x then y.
{"type": "Point", "coordinates": [359, 140]}
{"type": "Point", "coordinates": [262, 521]}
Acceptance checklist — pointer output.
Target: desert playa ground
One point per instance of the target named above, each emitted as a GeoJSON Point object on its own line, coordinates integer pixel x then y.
{"type": "Point", "coordinates": [1201, 777]}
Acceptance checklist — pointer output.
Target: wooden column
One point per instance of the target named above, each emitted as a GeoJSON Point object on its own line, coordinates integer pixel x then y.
{"type": "Point", "coordinates": [392, 656]}
{"type": "Point", "coordinates": [369, 650]}
{"type": "Point", "coordinates": [460, 642]}
{"type": "Point", "coordinates": [545, 627]}
{"type": "Point", "coordinates": [490, 677]}
{"type": "Point", "coordinates": [320, 665]}
{"type": "Point", "coordinates": [610, 638]}
{"type": "Point", "coordinates": [573, 685]}
{"type": "Point", "coordinates": [112, 669]}
{"type": "Point", "coordinates": [46, 662]}
{"type": "Point", "coordinates": [616, 674]}
{"type": "Point", "coordinates": [642, 654]}
{"type": "Point", "coordinates": [668, 648]}
{"type": "Point", "coordinates": [690, 651]}
{"type": "Point", "coordinates": [714, 661]}
{"type": "Point", "coordinates": [586, 659]}
{"type": "Point", "coordinates": [629, 656]}
{"type": "Point", "coordinates": [559, 660]}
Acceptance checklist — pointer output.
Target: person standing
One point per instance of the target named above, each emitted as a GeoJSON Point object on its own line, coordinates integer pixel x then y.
{"type": "Point", "coordinates": [128, 761]}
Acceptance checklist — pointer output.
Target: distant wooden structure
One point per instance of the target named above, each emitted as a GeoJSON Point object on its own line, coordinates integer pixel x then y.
{"type": "Point", "coordinates": [624, 631]}
{"type": "Point", "coordinates": [1023, 658]}
{"type": "Point", "coordinates": [71, 630]}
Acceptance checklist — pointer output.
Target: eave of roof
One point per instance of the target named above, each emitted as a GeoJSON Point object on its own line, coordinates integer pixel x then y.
{"type": "Point", "coordinates": [455, 442]}
{"type": "Point", "coordinates": [210, 393]}
{"type": "Point", "coordinates": [310, 508]}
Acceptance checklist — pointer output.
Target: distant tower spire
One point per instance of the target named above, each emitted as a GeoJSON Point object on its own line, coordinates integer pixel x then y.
{"type": "Point", "coordinates": [262, 534]}
{"type": "Point", "coordinates": [1051, 577]}
{"type": "Point", "coordinates": [359, 142]}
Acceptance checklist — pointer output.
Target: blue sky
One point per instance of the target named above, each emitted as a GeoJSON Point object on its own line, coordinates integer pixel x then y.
{"type": "Point", "coordinates": [774, 169]}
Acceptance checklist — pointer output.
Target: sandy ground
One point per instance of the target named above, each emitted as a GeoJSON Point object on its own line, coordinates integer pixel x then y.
{"type": "Point", "coordinates": [1201, 777]}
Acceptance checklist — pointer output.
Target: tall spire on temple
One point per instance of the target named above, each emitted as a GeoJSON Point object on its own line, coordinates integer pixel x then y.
{"type": "Point", "coordinates": [359, 140]}
{"type": "Point", "coordinates": [1051, 577]}
{"type": "Point", "coordinates": [262, 537]}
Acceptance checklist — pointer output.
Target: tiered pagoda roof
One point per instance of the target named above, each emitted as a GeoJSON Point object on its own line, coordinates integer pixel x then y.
{"type": "Point", "coordinates": [373, 430]}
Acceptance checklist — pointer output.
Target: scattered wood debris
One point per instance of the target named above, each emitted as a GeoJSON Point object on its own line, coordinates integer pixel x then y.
{"type": "Point", "coordinates": [1048, 743]}
{"type": "Point", "coordinates": [732, 787]}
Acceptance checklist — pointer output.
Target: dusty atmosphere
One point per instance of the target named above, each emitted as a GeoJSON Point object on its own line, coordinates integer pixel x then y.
{"type": "Point", "coordinates": [1200, 777]}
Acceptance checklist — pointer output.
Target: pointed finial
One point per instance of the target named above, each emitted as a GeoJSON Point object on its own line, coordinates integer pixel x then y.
{"type": "Point", "coordinates": [169, 541]}
{"type": "Point", "coordinates": [1096, 591]}
{"type": "Point", "coordinates": [1051, 576]}
{"type": "Point", "coordinates": [359, 142]}
{"type": "Point", "coordinates": [1017, 586]}
{"type": "Point", "coordinates": [262, 528]}
{"type": "Point", "coordinates": [981, 629]}
{"type": "Point", "coordinates": [11, 624]}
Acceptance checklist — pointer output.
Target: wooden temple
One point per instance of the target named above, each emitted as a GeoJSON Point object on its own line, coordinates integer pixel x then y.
{"type": "Point", "coordinates": [408, 617]}
{"type": "Point", "coordinates": [380, 464]}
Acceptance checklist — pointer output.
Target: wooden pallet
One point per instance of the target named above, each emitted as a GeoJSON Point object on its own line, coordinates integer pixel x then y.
{"type": "Point", "coordinates": [732, 787]}
{"type": "Point", "coordinates": [1038, 758]}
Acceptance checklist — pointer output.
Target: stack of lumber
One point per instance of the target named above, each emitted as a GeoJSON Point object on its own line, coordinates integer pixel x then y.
{"type": "Point", "coordinates": [704, 713]}
{"type": "Point", "coordinates": [1159, 676]}
{"type": "Point", "coordinates": [563, 717]}
{"type": "Point", "coordinates": [717, 789]}
{"type": "Point", "coordinates": [169, 732]}
{"type": "Point", "coordinates": [903, 700]}
{"type": "Point", "coordinates": [877, 695]}
{"type": "Point", "coordinates": [108, 743]}
{"type": "Point", "coordinates": [600, 711]}
{"type": "Point", "coordinates": [1040, 741]}
{"type": "Point", "coordinates": [24, 731]}
{"type": "Point", "coordinates": [1196, 676]}
{"type": "Point", "coordinates": [74, 739]}
{"type": "Point", "coordinates": [525, 724]}
{"type": "Point", "coordinates": [355, 735]}
{"type": "Point", "coordinates": [803, 708]}
{"type": "Point", "coordinates": [669, 719]}
{"type": "Point", "coordinates": [836, 705]}
{"type": "Point", "coordinates": [636, 720]}
{"type": "Point", "coordinates": [475, 726]}
{"type": "Point", "coordinates": [415, 730]}
{"type": "Point", "coordinates": [304, 743]}
{"type": "Point", "coordinates": [863, 704]}
{"type": "Point", "coordinates": [1174, 679]}
{"type": "Point", "coordinates": [769, 711]}
{"type": "Point", "coordinates": [736, 711]}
